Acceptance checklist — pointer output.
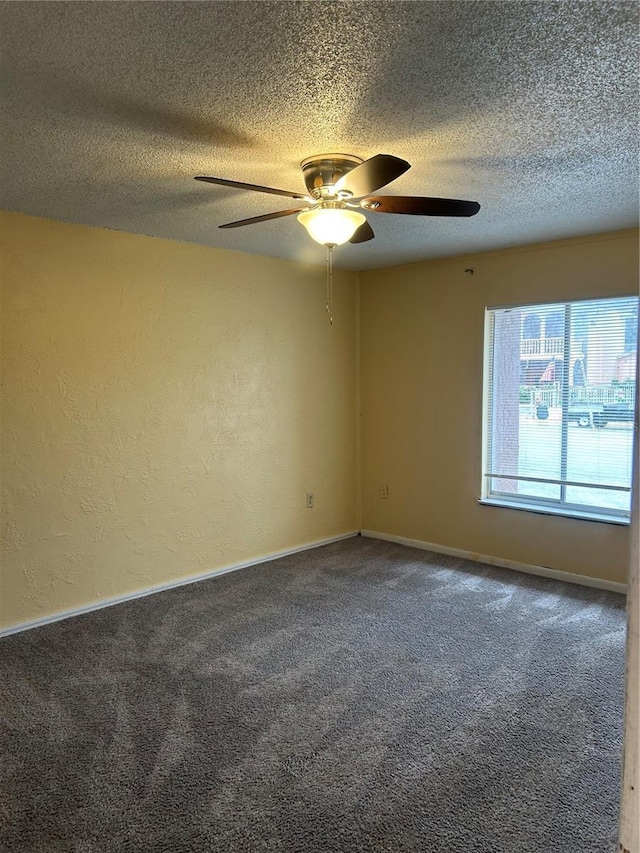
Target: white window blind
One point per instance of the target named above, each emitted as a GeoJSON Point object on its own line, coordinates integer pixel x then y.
{"type": "Point", "coordinates": [559, 403]}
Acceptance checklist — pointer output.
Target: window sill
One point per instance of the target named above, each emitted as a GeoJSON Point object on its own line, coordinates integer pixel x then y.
{"type": "Point", "coordinates": [566, 512]}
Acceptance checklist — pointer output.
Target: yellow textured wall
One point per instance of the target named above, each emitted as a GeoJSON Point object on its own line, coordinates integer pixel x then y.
{"type": "Point", "coordinates": [165, 409]}
{"type": "Point", "coordinates": [421, 331]}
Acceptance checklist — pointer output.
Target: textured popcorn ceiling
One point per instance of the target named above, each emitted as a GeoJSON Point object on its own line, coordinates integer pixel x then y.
{"type": "Point", "coordinates": [110, 109]}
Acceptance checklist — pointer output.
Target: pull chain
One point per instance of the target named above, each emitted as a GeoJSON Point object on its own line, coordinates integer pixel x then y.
{"type": "Point", "coordinates": [329, 305]}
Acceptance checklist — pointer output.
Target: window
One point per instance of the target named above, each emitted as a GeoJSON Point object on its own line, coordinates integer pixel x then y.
{"type": "Point", "coordinates": [558, 416]}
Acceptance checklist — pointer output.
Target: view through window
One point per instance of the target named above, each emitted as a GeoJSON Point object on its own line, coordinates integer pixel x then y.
{"type": "Point", "coordinates": [559, 406]}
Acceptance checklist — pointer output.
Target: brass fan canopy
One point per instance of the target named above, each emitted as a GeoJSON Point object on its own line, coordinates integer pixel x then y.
{"type": "Point", "coordinates": [322, 171]}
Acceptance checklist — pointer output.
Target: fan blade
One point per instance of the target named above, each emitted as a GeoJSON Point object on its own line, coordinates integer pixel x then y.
{"type": "Point", "coordinates": [265, 218]}
{"type": "Point", "coordinates": [374, 173]}
{"type": "Point", "coordinates": [418, 206]}
{"type": "Point", "coordinates": [363, 233]}
{"type": "Point", "coordinates": [255, 187]}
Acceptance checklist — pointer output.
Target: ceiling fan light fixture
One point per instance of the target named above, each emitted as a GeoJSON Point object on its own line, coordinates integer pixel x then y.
{"type": "Point", "coordinates": [331, 226]}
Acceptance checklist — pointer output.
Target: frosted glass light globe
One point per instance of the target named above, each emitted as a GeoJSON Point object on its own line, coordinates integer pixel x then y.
{"type": "Point", "coordinates": [331, 226]}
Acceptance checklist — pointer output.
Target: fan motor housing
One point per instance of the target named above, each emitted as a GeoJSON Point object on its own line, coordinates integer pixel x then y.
{"type": "Point", "coordinates": [322, 171]}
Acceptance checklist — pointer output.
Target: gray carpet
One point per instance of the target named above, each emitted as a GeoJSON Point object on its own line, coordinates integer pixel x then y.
{"type": "Point", "coordinates": [361, 697]}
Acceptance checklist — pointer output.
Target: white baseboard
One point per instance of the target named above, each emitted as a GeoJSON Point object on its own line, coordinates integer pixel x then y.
{"type": "Point", "coordinates": [542, 571]}
{"type": "Point", "coordinates": [119, 599]}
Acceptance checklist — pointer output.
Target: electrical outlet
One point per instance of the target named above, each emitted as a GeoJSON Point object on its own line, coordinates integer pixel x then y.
{"type": "Point", "coordinates": [384, 491]}
{"type": "Point", "coordinates": [310, 500]}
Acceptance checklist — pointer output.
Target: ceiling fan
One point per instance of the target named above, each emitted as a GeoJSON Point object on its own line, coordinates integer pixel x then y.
{"type": "Point", "coordinates": [339, 186]}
